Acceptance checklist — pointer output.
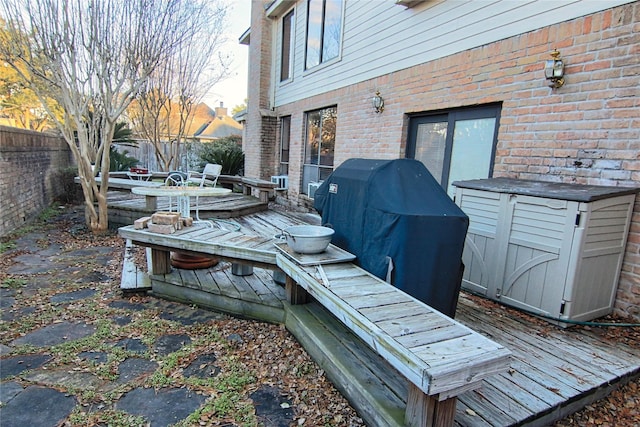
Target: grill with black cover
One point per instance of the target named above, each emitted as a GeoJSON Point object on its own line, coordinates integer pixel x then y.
{"type": "Point", "coordinates": [401, 225]}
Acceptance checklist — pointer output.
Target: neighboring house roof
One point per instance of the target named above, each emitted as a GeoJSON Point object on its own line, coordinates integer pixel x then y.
{"type": "Point", "coordinates": [201, 129]}
{"type": "Point", "coordinates": [221, 126]}
{"type": "Point", "coordinates": [211, 124]}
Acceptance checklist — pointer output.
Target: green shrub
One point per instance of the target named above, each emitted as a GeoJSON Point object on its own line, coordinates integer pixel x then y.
{"type": "Point", "coordinates": [121, 161]}
{"type": "Point", "coordinates": [118, 161]}
{"type": "Point", "coordinates": [226, 152]}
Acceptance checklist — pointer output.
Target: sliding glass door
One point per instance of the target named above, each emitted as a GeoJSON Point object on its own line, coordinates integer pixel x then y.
{"type": "Point", "coordinates": [455, 145]}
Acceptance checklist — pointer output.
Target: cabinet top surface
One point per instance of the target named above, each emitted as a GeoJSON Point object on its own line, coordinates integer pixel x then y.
{"type": "Point", "coordinates": [552, 190]}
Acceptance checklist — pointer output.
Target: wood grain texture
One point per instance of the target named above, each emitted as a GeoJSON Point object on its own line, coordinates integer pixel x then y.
{"type": "Point", "coordinates": [459, 361]}
{"type": "Point", "coordinates": [552, 371]}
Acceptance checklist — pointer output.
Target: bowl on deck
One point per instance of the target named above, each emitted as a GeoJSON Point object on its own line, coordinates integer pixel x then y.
{"type": "Point", "coordinates": [307, 239]}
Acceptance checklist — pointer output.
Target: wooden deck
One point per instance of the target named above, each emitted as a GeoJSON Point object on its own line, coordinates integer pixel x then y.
{"type": "Point", "coordinates": [125, 208]}
{"type": "Point", "coordinates": [554, 371]}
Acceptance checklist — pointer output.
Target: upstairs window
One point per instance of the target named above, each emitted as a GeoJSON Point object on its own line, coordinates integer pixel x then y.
{"type": "Point", "coordinates": [287, 46]}
{"type": "Point", "coordinates": [324, 31]}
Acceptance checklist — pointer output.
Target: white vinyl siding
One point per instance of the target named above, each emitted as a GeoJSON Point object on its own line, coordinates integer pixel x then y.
{"type": "Point", "coordinates": [380, 37]}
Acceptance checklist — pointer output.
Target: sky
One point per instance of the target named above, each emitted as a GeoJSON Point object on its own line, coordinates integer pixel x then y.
{"type": "Point", "coordinates": [233, 90]}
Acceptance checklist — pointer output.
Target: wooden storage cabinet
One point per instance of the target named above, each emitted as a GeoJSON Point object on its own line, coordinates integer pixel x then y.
{"type": "Point", "coordinates": [551, 248]}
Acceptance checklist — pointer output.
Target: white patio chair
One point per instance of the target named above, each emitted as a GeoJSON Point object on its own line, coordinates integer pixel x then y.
{"type": "Point", "coordinates": [212, 171]}
{"type": "Point", "coordinates": [175, 178]}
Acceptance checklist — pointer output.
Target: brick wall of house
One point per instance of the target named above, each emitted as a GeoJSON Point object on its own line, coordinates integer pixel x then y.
{"type": "Point", "coordinates": [28, 164]}
{"type": "Point", "coordinates": [586, 132]}
{"type": "Point", "coordinates": [259, 144]}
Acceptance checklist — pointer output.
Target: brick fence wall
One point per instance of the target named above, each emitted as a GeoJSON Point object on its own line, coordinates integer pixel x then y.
{"type": "Point", "coordinates": [28, 165]}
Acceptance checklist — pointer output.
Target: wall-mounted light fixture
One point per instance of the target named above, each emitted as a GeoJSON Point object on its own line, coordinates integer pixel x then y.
{"type": "Point", "coordinates": [378, 102]}
{"type": "Point", "coordinates": [554, 70]}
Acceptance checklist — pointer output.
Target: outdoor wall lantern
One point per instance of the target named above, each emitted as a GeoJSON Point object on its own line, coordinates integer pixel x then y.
{"type": "Point", "coordinates": [378, 102]}
{"type": "Point", "coordinates": [554, 70]}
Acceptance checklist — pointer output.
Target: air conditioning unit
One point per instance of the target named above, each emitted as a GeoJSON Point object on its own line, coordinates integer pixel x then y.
{"type": "Point", "coordinates": [312, 187]}
{"type": "Point", "coordinates": [281, 180]}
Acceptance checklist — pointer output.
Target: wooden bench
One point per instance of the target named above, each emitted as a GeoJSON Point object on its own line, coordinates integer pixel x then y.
{"type": "Point", "coordinates": [264, 188]}
{"type": "Point", "coordinates": [439, 357]}
{"type": "Point", "coordinates": [124, 184]}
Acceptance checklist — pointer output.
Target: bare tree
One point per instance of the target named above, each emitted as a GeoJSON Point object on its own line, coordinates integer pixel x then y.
{"type": "Point", "coordinates": [163, 110]}
{"type": "Point", "coordinates": [93, 56]}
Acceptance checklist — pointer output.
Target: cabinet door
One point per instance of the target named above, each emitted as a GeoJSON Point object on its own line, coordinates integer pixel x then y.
{"type": "Point", "coordinates": [532, 262]}
{"type": "Point", "coordinates": [599, 246]}
{"type": "Point", "coordinates": [483, 209]}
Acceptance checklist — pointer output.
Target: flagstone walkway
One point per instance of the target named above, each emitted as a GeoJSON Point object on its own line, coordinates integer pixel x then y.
{"type": "Point", "coordinates": [75, 351]}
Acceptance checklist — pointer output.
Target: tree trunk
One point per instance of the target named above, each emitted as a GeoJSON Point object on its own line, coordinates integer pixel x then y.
{"type": "Point", "coordinates": [96, 220]}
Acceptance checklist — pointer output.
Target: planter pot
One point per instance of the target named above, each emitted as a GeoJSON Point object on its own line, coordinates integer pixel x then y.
{"type": "Point", "coordinates": [241, 269]}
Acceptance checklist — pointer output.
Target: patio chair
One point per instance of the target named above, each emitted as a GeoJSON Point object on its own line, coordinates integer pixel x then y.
{"type": "Point", "coordinates": [175, 178]}
{"type": "Point", "coordinates": [212, 171]}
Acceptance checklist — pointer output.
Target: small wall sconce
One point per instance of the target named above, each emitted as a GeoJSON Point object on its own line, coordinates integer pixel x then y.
{"type": "Point", "coordinates": [378, 102]}
{"type": "Point", "coordinates": [554, 70]}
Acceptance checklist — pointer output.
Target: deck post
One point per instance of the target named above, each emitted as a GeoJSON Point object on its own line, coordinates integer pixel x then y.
{"type": "Point", "coordinates": [427, 411]}
{"type": "Point", "coordinates": [296, 294]}
{"type": "Point", "coordinates": [160, 261]}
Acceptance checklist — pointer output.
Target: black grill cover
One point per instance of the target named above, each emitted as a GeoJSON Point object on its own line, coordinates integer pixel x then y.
{"type": "Point", "coordinates": [395, 210]}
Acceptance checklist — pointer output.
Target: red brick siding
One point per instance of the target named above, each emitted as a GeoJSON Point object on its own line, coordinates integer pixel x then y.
{"type": "Point", "coordinates": [28, 162]}
{"type": "Point", "coordinates": [586, 132]}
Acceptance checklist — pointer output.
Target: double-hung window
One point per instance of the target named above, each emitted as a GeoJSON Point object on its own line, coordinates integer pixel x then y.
{"type": "Point", "coordinates": [320, 141]}
{"type": "Point", "coordinates": [324, 31]}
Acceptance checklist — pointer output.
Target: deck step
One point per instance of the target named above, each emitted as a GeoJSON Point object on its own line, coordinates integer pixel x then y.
{"type": "Point", "coordinates": [252, 297]}
{"type": "Point", "coordinates": [133, 279]}
{"type": "Point", "coordinates": [371, 385]}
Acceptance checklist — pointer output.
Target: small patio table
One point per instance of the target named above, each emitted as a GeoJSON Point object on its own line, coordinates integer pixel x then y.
{"type": "Point", "coordinates": [183, 195]}
{"type": "Point", "coordinates": [139, 176]}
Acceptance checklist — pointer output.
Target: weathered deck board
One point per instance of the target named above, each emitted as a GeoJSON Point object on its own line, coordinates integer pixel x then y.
{"type": "Point", "coordinates": [125, 208]}
{"type": "Point", "coordinates": [561, 365]}
{"type": "Point", "coordinates": [443, 369]}
{"type": "Point", "coordinates": [544, 384]}
{"type": "Point", "coordinates": [132, 279]}
{"type": "Point", "coordinates": [255, 296]}
{"type": "Point", "coordinates": [548, 364]}
{"type": "Point", "coordinates": [530, 384]}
